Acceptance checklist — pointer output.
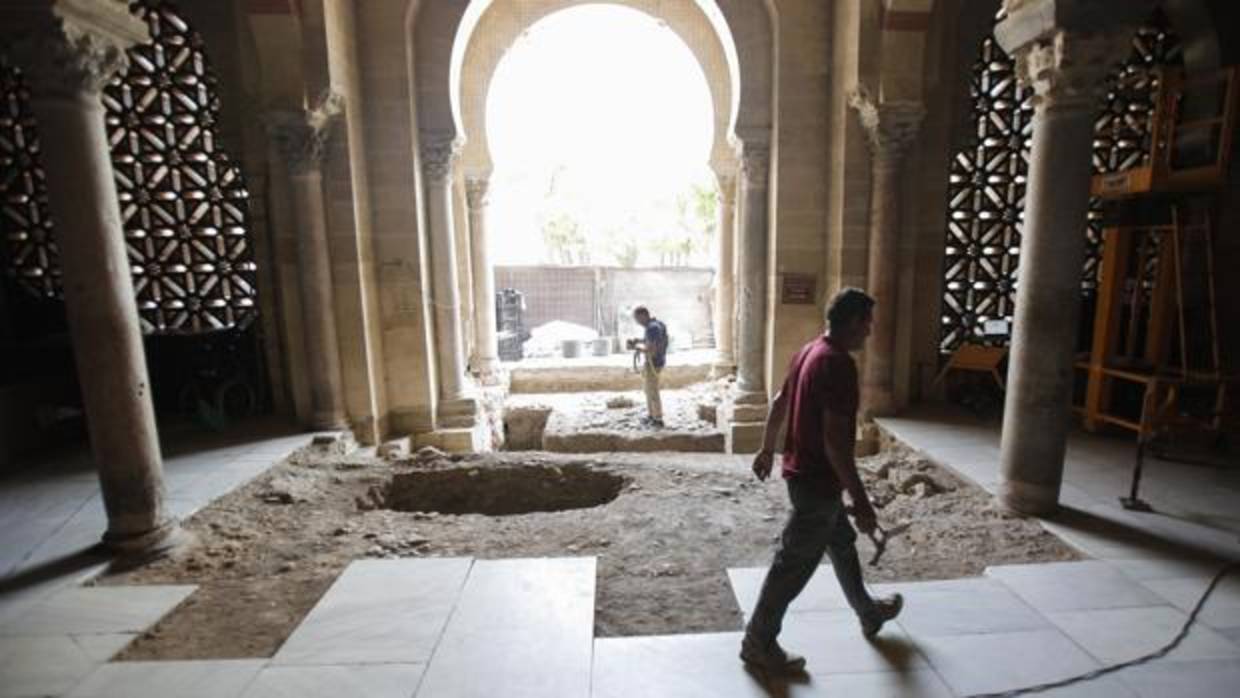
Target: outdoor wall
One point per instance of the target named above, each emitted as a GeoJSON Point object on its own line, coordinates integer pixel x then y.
{"type": "Point", "coordinates": [592, 296]}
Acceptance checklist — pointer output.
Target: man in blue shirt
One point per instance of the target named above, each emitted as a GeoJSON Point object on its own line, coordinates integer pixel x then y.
{"type": "Point", "coordinates": [654, 347]}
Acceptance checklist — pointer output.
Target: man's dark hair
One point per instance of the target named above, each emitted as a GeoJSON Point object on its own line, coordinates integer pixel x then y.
{"type": "Point", "coordinates": [641, 310]}
{"type": "Point", "coordinates": [848, 305]}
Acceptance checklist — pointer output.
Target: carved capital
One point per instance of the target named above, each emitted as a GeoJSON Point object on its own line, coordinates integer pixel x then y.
{"type": "Point", "coordinates": [890, 127]}
{"type": "Point", "coordinates": [755, 164]}
{"type": "Point", "coordinates": [438, 155]}
{"type": "Point", "coordinates": [477, 192]}
{"type": "Point", "coordinates": [72, 49]}
{"type": "Point", "coordinates": [727, 189]}
{"type": "Point", "coordinates": [1067, 70]}
{"type": "Point", "coordinates": [302, 135]}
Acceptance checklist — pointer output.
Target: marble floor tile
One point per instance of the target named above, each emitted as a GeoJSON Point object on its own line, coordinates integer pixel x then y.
{"type": "Point", "coordinates": [688, 666]}
{"type": "Point", "coordinates": [1221, 610]}
{"type": "Point", "coordinates": [529, 622]}
{"type": "Point", "coordinates": [1073, 586]}
{"type": "Point", "coordinates": [962, 606]}
{"type": "Point", "coordinates": [832, 643]}
{"type": "Point", "coordinates": [823, 592]}
{"type": "Point", "coordinates": [1003, 661]}
{"type": "Point", "coordinates": [369, 680]}
{"type": "Point", "coordinates": [47, 665]}
{"type": "Point", "coordinates": [203, 679]}
{"type": "Point", "coordinates": [92, 610]}
{"type": "Point", "coordinates": [379, 611]}
{"type": "Point", "coordinates": [915, 683]}
{"type": "Point", "coordinates": [1209, 678]}
{"type": "Point", "coordinates": [1120, 634]}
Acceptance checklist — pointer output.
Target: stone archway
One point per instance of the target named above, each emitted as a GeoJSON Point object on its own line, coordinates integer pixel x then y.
{"type": "Point", "coordinates": [741, 37]}
{"type": "Point", "coordinates": [504, 21]}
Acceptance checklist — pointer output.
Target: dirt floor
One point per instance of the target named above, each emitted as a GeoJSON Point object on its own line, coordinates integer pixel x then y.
{"type": "Point", "coordinates": [670, 526]}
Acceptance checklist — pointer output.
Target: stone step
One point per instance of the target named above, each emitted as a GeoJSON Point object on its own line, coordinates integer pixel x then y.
{"type": "Point", "coordinates": [379, 611]}
{"type": "Point", "coordinates": [522, 628]}
{"type": "Point", "coordinates": [600, 422]}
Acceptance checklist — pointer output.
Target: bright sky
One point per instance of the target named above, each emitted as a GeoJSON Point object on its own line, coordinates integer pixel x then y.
{"type": "Point", "coordinates": [613, 101]}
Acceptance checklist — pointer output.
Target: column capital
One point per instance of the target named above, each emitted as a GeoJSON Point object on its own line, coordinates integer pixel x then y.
{"type": "Point", "coordinates": [302, 135]}
{"type": "Point", "coordinates": [477, 190]}
{"type": "Point", "coordinates": [70, 48]}
{"type": "Point", "coordinates": [439, 151]}
{"type": "Point", "coordinates": [755, 159]}
{"type": "Point", "coordinates": [890, 126]}
{"type": "Point", "coordinates": [727, 188]}
{"type": "Point", "coordinates": [1067, 70]}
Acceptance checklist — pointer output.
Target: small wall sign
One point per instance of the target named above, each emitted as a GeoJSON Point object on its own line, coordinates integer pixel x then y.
{"type": "Point", "coordinates": [798, 289]}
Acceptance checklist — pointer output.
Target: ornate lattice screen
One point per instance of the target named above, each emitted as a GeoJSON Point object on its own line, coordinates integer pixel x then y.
{"type": "Point", "coordinates": [183, 202]}
{"type": "Point", "coordinates": [986, 181]}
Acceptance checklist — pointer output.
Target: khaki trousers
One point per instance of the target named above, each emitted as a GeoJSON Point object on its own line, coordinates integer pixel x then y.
{"type": "Point", "coordinates": [650, 382]}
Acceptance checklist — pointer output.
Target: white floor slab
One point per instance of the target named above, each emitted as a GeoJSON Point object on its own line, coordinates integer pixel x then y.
{"type": "Point", "coordinates": [832, 643]}
{"type": "Point", "coordinates": [522, 628]}
{"type": "Point", "coordinates": [93, 610]}
{"type": "Point", "coordinates": [379, 611]}
{"type": "Point", "coordinates": [47, 665]}
{"type": "Point", "coordinates": [1073, 586]}
{"type": "Point", "coordinates": [1211, 678]}
{"type": "Point", "coordinates": [1120, 634]}
{"type": "Point", "coordinates": [1003, 661]}
{"type": "Point", "coordinates": [823, 592]}
{"type": "Point", "coordinates": [369, 680]}
{"type": "Point", "coordinates": [963, 606]}
{"type": "Point", "coordinates": [1221, 610]}
{"type": "Point", "coordinates": [686, 666]}
{"type": "Point", "coordinates": [917, 683]}
{"type": "Point", "coordinates": [207, 679]}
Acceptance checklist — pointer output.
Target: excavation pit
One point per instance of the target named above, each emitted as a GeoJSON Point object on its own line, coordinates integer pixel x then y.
{"type": "Point", "coordinates": [503, 490]}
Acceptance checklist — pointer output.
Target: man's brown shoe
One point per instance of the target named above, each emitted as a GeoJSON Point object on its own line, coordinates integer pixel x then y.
{"type": "Point", "coordinates": [885, 609]}
{"type": "Point", "coordinates": [770, 658]}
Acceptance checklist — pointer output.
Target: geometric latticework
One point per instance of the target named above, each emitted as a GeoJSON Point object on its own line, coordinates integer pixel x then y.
{"type": "Point", "coordinates": [183, 202]}
{"type": "Point", "coordinates": [987, 179]}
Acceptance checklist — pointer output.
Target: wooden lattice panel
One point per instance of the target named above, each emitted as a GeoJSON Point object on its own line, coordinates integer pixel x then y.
{"type": "Point", "coordinates": [182, 201]}
{"type": "Point", "coordinates": [987, 179]}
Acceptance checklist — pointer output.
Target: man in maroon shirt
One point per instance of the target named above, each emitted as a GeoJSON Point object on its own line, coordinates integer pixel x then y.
{"type": "Point", "coordinates": [819, 400]}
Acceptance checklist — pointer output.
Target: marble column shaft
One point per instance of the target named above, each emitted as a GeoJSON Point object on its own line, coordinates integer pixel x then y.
{"type": "Point", "coordinates": [725, 276]}
{"type": "Point", "coordinates": [485, 360]}
{"type": "Point", "coordinates": [891, 127]}
{"type": "Point", "coordinates": [66, 67]}
{"type": "Point", "coordinates": [301, 137]}
{"type": "Point", "coordinates": [751, 294]}
{"type": "Point", "coordinates": [1066, 72]}
{"type": "Point", "coordinates": [438, 157]}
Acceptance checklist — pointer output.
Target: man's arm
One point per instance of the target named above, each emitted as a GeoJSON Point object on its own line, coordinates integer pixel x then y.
{"type": "Point", "coordinates": [840, 433]}
{"type": "Point", "coordinates": [765, 458]}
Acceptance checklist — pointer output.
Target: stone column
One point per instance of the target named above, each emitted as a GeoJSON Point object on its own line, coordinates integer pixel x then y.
{"type": "Point", "coordinates": [68, 52]}
{"type": "Point", "coordinates": [725, 277]}
{"type": "Point", "coordinates": [457, 406]}
{"type": "Point", "coordinates": [1066, 71]}
{"type": "Point", "coordinates": [752, 271]}
{"type": "Point", "coordinates": [485, 361]}
{"type": "Point", "coordinates": [890, 127]}
{"type": "Point", "coordinates": [744, 413]}
{"type": "Point", "coordinates": [301, 138]}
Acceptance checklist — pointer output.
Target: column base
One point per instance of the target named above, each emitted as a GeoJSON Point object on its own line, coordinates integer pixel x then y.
{"type": "Point", "coordinates": [458, 413]}
{"type": "Point", "coordinates": [1028, 498]}
{"type": "Point", "coordinates": [327, 421]}
{"type": "Point", "coordinates": [743, 419]}
{"type": "Point", "coordinates": [475, 439]}
{"type": "Point", "coordinates": [130, 551]}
